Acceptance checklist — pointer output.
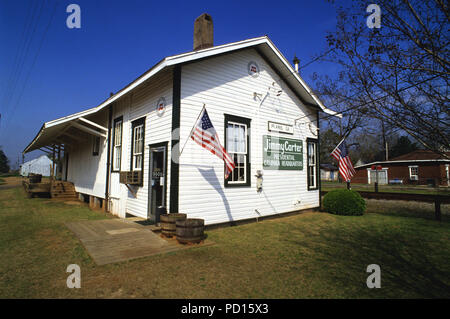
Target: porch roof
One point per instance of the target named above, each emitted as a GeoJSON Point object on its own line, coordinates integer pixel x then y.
{"type": "Point", "coordinates": [65, 131]}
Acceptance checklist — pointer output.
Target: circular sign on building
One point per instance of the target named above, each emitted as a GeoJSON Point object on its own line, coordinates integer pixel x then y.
{"type": "Point", "coordinates": [253, 69]}
{"type": "Point", "coordinates": [161, 106]}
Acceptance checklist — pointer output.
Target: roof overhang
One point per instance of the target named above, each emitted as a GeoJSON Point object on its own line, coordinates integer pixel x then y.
{"type": "Point", "coordinates": [64, 132]}
{"type": "Point", "coordinates": [264, 46]}
{"type": "Point", "coordinates": [404, 161]}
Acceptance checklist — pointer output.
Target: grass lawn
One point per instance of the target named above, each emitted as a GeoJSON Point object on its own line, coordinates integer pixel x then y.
{"type": "Point", "coordinates": [411, 189]}
{"type": "Point", "coordinates": [311, 255]}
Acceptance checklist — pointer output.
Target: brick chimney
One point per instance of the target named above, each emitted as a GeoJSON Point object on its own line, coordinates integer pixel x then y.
{"type": "Point", "coordinates": [203, 32]}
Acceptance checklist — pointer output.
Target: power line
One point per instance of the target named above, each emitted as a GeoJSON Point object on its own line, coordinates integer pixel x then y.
{"type": "Point", "coordinates": [317, 58]}
{"type": "Point", "coordinates": [34, 62]}
{"type": "Point", "coordinates": [374, 100]}
{"type": "Point", "coordinates": [19, 52]}
{"type": "Point", "coordinates": [21, 62]}
{"type": "Point", "coordinates": [359, 92]}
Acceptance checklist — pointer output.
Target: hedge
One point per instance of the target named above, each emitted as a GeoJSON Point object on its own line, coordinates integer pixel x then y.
{"type": "Point", "coordinates": [344, 202]}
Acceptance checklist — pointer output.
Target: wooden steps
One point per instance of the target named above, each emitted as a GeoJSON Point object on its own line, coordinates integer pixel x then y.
{"type": "Point", "coordinates": [63, 190]}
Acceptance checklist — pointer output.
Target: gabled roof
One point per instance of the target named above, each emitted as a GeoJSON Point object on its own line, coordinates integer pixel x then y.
{"type": "Point", "coordinates": [262, 44]}
{"type": "Point", "coordinates": [328, 167]}
{"type": "Point", "coordinates": [418, 156]}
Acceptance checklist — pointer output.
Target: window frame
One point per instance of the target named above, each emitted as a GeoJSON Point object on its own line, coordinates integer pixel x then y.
{"type": "Point", "coordinates": [134, 124]}
{"type": "Point", "coordinates": [94, 144]}
{"type": "Point", "coordinates": [411, 175]}
{"type": "Point", "coordinates": [113, 152]}
{"type": "Point", "coordinates": [308, 175]}
{"type": "Point", "coordinates": [233, 119]}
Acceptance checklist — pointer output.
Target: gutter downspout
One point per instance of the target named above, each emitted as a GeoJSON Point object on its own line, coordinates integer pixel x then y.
{"type": "Point", "coordinates": [108, 160]}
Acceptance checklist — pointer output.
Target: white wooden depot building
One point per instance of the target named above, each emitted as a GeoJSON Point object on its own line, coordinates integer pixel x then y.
{"type": "Point", "coordinates": [125, 152]}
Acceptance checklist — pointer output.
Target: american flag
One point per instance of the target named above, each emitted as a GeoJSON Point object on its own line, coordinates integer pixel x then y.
{"type": "Point", "coordinates": [345, 164]}
{"type": "Point", "coordinates": [206, 136]}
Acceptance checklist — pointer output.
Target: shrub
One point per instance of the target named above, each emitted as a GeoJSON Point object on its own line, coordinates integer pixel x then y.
{"type": "Point", "coordinates": [344, 202]}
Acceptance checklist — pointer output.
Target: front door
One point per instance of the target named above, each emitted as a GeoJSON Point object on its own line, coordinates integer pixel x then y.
{"type": "Point", "coordinates": [157, 181]}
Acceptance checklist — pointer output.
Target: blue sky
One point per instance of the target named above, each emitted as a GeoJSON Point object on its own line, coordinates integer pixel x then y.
{"type": "Point", "coordinates": [68, 70]}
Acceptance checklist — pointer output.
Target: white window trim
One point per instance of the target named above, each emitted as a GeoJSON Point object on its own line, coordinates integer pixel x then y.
{"type": "Point", "coordinates": [447, 173]}
{"type": "Point", "coordinates": [314, 177]}
{"type": "Point", "coordinates": [118, 146]}
{"type": "Point", "coordinates": [382, 169]}
{"type": "Point", "coordinates": [94, 144]}
{"type": "Point", "coordinates": [141, 126]}
{"type": "Point", "coordinates": [239, 153]}
{"type": "Point", "coordinates": [245, 134]}
{"type": "Point", "coordinates": [415, 175]}
{"type": "Point", "coordinates": [245, 170]}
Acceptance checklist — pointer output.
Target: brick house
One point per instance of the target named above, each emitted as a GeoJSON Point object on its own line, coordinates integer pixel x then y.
{"type": "Point", "coordinates": [420, 167]}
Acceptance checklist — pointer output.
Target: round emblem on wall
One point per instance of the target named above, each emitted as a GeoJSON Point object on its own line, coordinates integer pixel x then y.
{"type": "Point", "coordinates": [161, 106]}
{"type": "Point", "coordinates": [253, 69]}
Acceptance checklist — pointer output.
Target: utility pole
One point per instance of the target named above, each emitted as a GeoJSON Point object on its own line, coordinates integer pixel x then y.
{"type": "Point", "coordinates": [387, 151]}
{"type": "Point", "coordinates": [383, 132]}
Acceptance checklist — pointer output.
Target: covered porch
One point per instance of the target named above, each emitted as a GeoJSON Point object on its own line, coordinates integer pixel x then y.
{"type": "Point", "coordinates": [77, 141]}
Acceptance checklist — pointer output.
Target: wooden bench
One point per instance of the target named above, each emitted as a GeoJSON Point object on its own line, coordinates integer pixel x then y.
{"type": "Point", "coordinates": [428, 198]}
{"type": "Point", "coordinates": [36, 188]}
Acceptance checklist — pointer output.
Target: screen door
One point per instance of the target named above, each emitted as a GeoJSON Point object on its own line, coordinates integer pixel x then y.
{"type": "Point", "coordinates": [157, 180]}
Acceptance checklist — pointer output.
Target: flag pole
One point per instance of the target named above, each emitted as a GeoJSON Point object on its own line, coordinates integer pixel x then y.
{"type": "Point", "coordinates": [204, 107]}
{"type": "Point", "coordinates": [338, 145]}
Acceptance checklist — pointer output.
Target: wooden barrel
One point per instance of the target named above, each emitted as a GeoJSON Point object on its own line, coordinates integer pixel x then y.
{"type": "Point", "coordinates": [168, 223]}
{"type": "Point", "coordinates": [190, 230]}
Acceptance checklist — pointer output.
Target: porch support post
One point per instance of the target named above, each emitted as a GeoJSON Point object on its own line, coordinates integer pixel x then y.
{"type": "Point", "coordinates": [58, 162]}
{"type": "Point", "coordinates": [437, 209]}
{"type": "Point", "coordinates": [53, 162]}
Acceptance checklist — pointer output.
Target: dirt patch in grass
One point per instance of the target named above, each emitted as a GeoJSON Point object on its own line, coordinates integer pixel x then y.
{"type": "Point", "coordinates": [12, 180]}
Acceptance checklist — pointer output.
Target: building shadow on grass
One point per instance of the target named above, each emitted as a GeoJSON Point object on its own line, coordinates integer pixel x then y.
{"type": "Point", "coordinates": [414, 264]}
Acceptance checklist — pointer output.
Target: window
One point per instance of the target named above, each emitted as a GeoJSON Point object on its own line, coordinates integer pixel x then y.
{"type": "Point", "coordinates": [137, 145]}
{"type": "Point", "coordinates": [95, 145]}
{"type": "Point", "coordinates": [117, 144]}
{"type": "Point", "coordinates": [414, 173]}
{"type": "Point", "coordinates": [311, 154]}
{"type": "Point", "coordinates": [237, 140]}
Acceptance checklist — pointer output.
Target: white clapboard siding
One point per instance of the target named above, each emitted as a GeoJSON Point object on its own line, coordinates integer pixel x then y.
{"type": "Point", "coordinates": [118, 192]}
{"type": "Point", "coordinates": [88, 172]}
{"type": "Point", "coordinates": [224, 85]}
{"type": "Point", "coordinates": [142, 102]}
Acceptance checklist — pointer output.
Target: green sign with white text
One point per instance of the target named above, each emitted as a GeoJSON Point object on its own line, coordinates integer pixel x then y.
{"type": "Point", "coordinates": [281, 153]}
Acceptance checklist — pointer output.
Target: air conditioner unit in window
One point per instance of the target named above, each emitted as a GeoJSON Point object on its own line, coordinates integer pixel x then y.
{"type": "Point", "coordinates": [131, 178]}
{"type": "Point", "coordinates": [414, 178]}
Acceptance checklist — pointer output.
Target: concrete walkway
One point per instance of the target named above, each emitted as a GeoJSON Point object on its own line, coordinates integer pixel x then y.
{"type": "Point", "coordinates": [114, 240]}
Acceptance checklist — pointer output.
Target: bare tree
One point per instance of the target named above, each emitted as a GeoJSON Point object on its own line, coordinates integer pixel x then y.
{"type": "Point", "coordinates": [333, 94]}
{"type": "Point", "coordinates": [398, 73]}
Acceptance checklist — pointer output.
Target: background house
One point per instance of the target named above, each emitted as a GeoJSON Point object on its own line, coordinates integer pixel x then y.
{"type": "Point", "coordinates": [41, 165]}
{"type": "Point", "coordinates": [328, 172]}
{"type": "Point", "coordinates": [419, 167]}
